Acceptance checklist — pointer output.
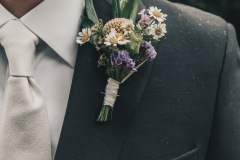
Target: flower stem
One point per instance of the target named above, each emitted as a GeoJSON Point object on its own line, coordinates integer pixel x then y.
{"type": "Point", "coordinates": [105, 114]}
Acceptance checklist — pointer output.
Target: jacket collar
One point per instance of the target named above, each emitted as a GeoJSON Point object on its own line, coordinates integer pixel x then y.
{"type": "Point", "coordinates": [56, 22]}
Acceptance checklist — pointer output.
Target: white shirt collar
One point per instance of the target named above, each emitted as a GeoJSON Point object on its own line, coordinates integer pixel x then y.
{"type": "Point", "coordinates": [56, 22]}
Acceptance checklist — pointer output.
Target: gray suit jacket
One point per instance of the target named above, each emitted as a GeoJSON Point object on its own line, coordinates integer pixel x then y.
{"type": "Point", "coordinates": [185, 105]}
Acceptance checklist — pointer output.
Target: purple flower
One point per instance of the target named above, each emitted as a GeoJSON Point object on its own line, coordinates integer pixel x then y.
{"type": "Point", "coordinates": [144, 21]}
{"type": "Point", "coordinates": [146, 45]}
{"type": "Point", "coordinates": [124, 55]}
{"type": "Point", "coordinates": [122, 58]}
{"type": "Point", "coordinates": [131, 66]}
{"type": "Point", "coordinates": [118, 61]}
{"type": "Point", "coordinates": [148, 50]}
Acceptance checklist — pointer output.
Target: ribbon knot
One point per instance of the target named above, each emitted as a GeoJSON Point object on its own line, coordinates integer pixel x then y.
{"type": "Point", "coordinates": [19, 44]}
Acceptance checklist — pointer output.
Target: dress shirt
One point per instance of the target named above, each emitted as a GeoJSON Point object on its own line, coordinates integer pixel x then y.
{"type": "Point", "coordinates": [56, 23]}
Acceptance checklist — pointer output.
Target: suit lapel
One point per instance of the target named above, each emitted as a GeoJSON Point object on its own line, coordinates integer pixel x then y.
{"type": "Point", "coordinates": [82, 137]}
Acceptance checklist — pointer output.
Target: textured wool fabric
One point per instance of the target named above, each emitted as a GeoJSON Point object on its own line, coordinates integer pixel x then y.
{"type": "Point", "coordinates": [184, 105]}
{"type": "Point", "coordinates": [24, 128]}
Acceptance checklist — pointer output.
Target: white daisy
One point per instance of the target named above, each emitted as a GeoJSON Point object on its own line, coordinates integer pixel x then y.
{"type": "Point", "coordinates": [114, 38]}
{"type": "Point", "coordinates": [148, 30]}
{"type": "Point", "coordinates": [128, 25]}
{"type": "Point", "coordinates": [84, 36]}
{"type": "Point", "coordinates": [157, 14]}
{"type": "Point", "coordinates": [158, 31]}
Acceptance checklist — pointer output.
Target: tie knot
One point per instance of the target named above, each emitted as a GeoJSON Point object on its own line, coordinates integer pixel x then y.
{"type": "Point", "coordinates": [19, 44]}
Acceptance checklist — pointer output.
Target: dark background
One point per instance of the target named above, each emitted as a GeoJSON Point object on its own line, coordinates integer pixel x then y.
{"type": "Point", "coordinates": [227, 9]}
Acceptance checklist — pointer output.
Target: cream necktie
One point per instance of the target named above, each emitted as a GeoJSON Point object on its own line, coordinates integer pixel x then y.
{"type": "Point", "coordinates": [24, 126]}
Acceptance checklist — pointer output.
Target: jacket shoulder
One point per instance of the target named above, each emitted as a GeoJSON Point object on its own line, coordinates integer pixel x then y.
{"type": "Point", "coordinates": [200, 36]}
{"type": "Point", "coordinates": [185, 11]}
{"type": "Point", "coordinates": [182, 18]}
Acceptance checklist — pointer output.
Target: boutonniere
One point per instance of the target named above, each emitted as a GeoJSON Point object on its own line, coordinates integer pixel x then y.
{"type": "Point", "coordinates": [123, 43]}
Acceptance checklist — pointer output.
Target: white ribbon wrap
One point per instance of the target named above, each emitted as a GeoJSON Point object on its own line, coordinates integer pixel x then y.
{"type": "Point", "coordinates": [111, 92]}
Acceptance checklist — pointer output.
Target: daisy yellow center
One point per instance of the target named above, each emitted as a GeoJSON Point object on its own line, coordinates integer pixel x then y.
{"type": "Point", "coordinates": [156, 13]}
{"type": "Point", "coordinates": [113, 40]}
{"type": "Point", "coordinates": [158, 31]}
{"type": "Point", "coordinates": [120, 35]}
{"type": "Point", "coordinates": [85, 37]}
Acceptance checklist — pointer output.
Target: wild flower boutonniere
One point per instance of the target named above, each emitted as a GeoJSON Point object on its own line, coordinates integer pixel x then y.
{"type": "Point", "coordinates": [123, 43]}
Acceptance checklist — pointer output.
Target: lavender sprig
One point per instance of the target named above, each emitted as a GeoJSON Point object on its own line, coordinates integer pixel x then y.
{"type": "Point", "coordinates": [148, 51]}
{"type": "Point", "coordinates": [122, 58]}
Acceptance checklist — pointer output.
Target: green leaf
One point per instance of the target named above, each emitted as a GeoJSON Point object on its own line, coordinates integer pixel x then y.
{"type": "Point", "coordinates": [91, 13]}
{"type": "Point", "coordinates": [123, 4]}
{"type": "Point", "coordinates": [134, 12]}
{"type": "Point", "coordinates": [134, 45]}
{"type": "Point", "coordinates": [86, 22]}
{"type": "Point", "coordinates": [116, 8]}
{"type": "Point", "coordinates": [127, 9]}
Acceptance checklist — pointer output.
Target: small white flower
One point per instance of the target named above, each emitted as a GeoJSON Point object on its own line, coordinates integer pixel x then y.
{"type": "Point", "coordinates": [148, 30]}
{"type": "Point", "coordinates": [142, 12]}
{"type": "Point", "coordinates": [84, 36]}
{"type": "Point", "coordinates": [157, 14]}
{"type": "Point", "coordinates": [139, 27]}
{"type": "Point", "coordinates": [158, 30]}
{"type": "Point", "coordinates": [114, 38]}
{"type": "Point", "coordinates": [128, 25]}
